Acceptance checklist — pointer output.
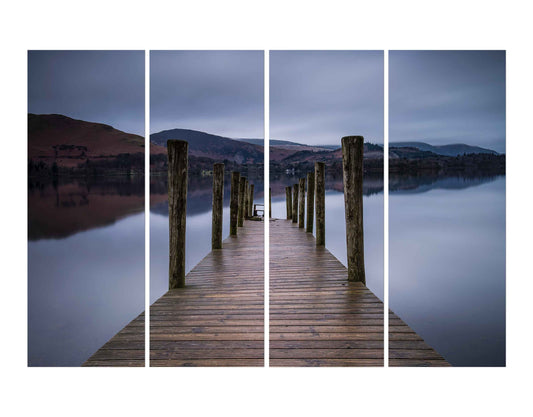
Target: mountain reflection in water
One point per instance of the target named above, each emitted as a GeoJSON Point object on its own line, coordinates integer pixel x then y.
{"type": "Point", "coordinates": [85, 265]}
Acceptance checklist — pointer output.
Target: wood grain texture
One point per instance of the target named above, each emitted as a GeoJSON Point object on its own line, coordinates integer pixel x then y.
{"type": "Point", "coordinates": [319, 318]}
{"type": "Point", "coordinates": [234, 203]}
{"type": "Point", "coordinates": [310, 202]}
{"type": "Point", "coordinates": [288, 199]}
{"type": "Point", "coordinates": [301, 203]}
{"type": "Point", "coordinates": [320, 203]}
{"type": "Point", "coordinates": [177, 210]}
{"type": "Point", "coordinates": [352, 168]}
{"type": "Point", "coordinates": [295, 203]}
{"type": "Point", "coordinates": [240, 212]}
{"type": "Point", "coordinates": [218, 318]}
{"type": "Point", "coordinates": [218, 203]}
{"type": "Point", "coordinates": [126, 348]}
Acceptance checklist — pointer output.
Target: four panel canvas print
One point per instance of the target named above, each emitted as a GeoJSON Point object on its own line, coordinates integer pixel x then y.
{"type": "Point", "coordinates": [209, 202]}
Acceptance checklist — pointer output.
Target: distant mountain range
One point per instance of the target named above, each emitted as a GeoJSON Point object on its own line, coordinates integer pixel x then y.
{"type": "Point", "coordinates": [58, 144]}
{"type": "Point", "coordinates": [446, 150]}
{"type": "Point", "coordinates": [287, 143]}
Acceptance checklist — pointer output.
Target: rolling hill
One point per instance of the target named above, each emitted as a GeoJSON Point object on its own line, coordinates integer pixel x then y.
{"type": "Point", "coordinates": [69, 142]}
{"type": "Point", "coordinates": [446, 150]}
{"type": "Point", "coordinates": [217, 148]}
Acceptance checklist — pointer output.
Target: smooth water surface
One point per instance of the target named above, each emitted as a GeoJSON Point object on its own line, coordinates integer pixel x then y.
{"type": "Point", "coordinates": [447, 264]}
{"type": "Point", "coordinates": [336, 226]}
{"type": "Point", "coordinates": [198, 224]}
{"type": "Point", "coordinates": [85, 265]}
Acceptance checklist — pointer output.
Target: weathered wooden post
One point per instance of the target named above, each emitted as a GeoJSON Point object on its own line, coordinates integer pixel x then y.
{"type": "Point", "coordinates": [242, 183]}
{"type": "Point", "coordinates": [352, 168]}
{"type": "Point", "coordinates": [288, 196]}
{"type": "Point", "coordinates": [310, 201]}
{"type": "Point", "coordinates": [218, 202]}
{"type": "Point", "coordinates": [251, 202]}
{"type": "Point", "coordinates": [320, 203]}
{"type": "Point", "coordinates": [295, 203]}
{"type": "Point", "coordinates": [234, 203]}
{"type": "Point", "coordinates": [301, 204]}
{"type": "Point", "coordinates": [269, 203]}
{"type": "Point", "coordinates": [246, 198]}
{"type": "Point", "coordinates": [177, 210]}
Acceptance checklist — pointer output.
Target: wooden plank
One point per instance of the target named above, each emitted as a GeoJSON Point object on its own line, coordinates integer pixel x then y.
{"type": "Point", "coordinates": [319, 318]}
{"type": "Point", "coordinates": [218, 318]}
{"type": "Point", "coordinates": [123, 348]}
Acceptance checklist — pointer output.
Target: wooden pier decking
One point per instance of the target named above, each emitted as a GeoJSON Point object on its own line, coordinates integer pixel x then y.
{"type": "Point", "coordinates": [216, 320]}
{"type": "Point", "coordinates": [126, 348]}
{"type": "Point", "coordinates": [318, 318]}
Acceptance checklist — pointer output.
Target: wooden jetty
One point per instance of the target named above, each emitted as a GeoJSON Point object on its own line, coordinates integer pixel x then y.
{"type": "Point", "coordinates": [217, 319]}
{"type": "Point", "coordinates": [319, 318]}
{"type": "Point", "coordinates": [321, 313]}
{"type": "Point", "coordinates": [214, 315]}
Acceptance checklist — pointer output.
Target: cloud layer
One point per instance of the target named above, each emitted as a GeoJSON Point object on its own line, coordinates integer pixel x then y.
{"type": "Point", "coordinates": [317, 97]}
{"type": "Point", "coordinates": [218, 92]}
{"type": "Point", "coordinates": [96, 86]}
{"type": "Point", "coordinates": [444, 97]}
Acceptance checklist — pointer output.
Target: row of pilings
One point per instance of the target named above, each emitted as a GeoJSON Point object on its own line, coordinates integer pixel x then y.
{"type": "Point", "coordinates": [241, 207]}
{"type": "Point", "coordinates": [315, 184]}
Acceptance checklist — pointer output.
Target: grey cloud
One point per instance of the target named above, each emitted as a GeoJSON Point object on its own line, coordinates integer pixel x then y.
{"type": "Point", "coordinates": [97, 86]}
{"type": "Point", "coordinates": [316, 97]}
{"type": "Point", "coordinates": [218, 92]}
{"type": "Point", "coordinates": [448, 97]}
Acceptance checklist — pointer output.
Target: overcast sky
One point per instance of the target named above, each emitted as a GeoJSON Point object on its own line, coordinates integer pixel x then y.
{"type": "Point", "coordinates": [219, 92]}
{"type": "Point", "coordinates": [442, 97]}
{"type": "Point", "coordinates": [317, 97]}
{"type": "Point", "coordinates": [96, 86]}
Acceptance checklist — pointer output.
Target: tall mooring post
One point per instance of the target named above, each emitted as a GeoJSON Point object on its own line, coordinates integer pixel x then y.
{"type": "Point", "coordinates": [177, 210]}
{"type": "Point", "coordinates": [246, 199]}
{"type": "Point", "coordinates": [320, 203]}
{"type": "Point", "coordinates": [242, 184]}
{"type": "Point", "coordinates": [251, 202]}
{"type": "Point", "coordinates": [218, 202]}
{"type": "Point", "coordinates": [301, 204]}
{"type": "Point", "coordinates": [352, 168]}
{"type": "Point", "coordinates": [288, 197]}
{"type": "Point", "coordinates": [269, 203]}
{"type": "Point", "coordinates": [234, 203]}
{"type": "Point", "coordinates": [310, 201]}
{"type": "Point", "coordinates": [295, 203]}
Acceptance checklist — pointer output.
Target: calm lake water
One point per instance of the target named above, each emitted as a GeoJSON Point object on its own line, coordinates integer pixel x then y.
{"type": "Point", "coordinates": [447, 264]}
{"type": "Point", "coordinates": [336, 226]}
{"type": "Point", "coordinates": [85, 265]}
{"type": "Point", "coordinates": [198, 227]}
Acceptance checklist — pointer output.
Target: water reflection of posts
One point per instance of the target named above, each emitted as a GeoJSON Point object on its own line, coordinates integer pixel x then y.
{"type": "Point", "coordinates": [301, 203]}
{"type": "Point", "coordinates": [251, 201]}
{"type": "Point", "coordinates": [320, 203]}
{"type": "Point", "coordinates": [234, 203]}
{"type": "Point", "coordinates": [352, 167]}
{"type": "Point", "coordinates": [295, 203]}
{"type": "Point", "coordinates": [242, 184]}
{"type": "Point", "coordinates": [310, 201]}
{"type": "Point", "coordinates": [288, 196]}
{"type": "Point", "coordinates": [246, 199]}
{"type": "Point", "coordinates": [177, 210]}
{"type": "Point", "coordinates": [218, 201]}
